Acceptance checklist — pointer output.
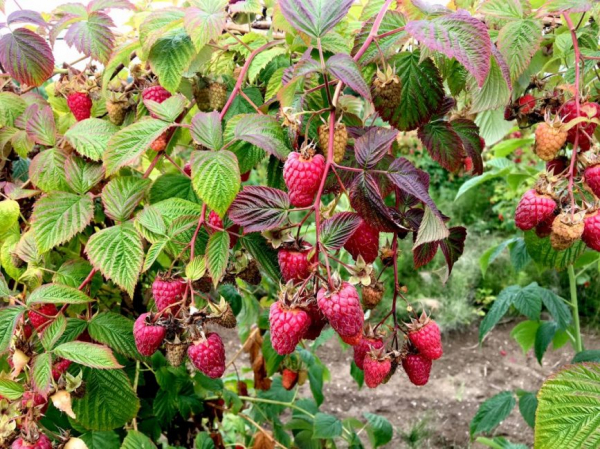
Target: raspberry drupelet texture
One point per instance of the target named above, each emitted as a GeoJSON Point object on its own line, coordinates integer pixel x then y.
{"type": "Point", "coordinates": [428, 340]}
{"type": "Point", "coordinates": [294, 264]}
{"type": "Point", "coordinates": [148, 337]}
{"type": "Point", "coordinates": [591, 231]}
{"type": "Point", "coordinates": [533, 209]}
{"type": "Point", "coordinates": [217, 222]}
{"type": "Point", "coordinates": [167, 292]}
{"type": "Point", "coordinates": [365, 345]}
{"type": "Point", "coordinates": [288, 326]}
{"type": "Point", "coordinates": [43, 442]}
{"type": "Point", "coordinates": [376, 370]}
{"type": "Point", "coordinates": [208, 356]}
{"type": "Point", "coordinates": [155, 93]}
{"type": "Point", "coordinates": [343, 311]}
{"type": "Point", "coordinates": [38, 320]}
{"type": "Point", "coordinates": [418, 368]}
{"type": "Point", "coordinates": [592, 178]}
{"type": "Point", "coordinates": [302, 177]}
{"type": "Point", "coordinates": [364, 242]}
{"type": "Point", "coordinates": [80, 105]}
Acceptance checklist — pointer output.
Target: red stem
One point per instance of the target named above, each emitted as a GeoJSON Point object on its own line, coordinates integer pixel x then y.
{"type": "Point", "coordinates": [374, 30]}
{"type": "Point", "coordinates": [152, 164]}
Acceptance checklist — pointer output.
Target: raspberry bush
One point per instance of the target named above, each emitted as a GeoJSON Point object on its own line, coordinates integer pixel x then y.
{"type": "Point", "coordinates": [235, 168]}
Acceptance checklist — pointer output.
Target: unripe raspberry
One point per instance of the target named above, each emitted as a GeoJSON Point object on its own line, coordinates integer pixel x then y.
{"type": "Point", "coordinates": [302, 176]}
{"type": "Point", "coordinates": [342, 308]}
{"type": "Point", "coordinates": [148, 337]}
{"type": "Point", "coordinates": [418, 368]}
{"type": "Point", "coordinates": [586, 130]}
{"type": "Point", "coordinates": [565, 232]}
{"type": "Point", "coordinates": [117, 110]}
{"type": "Point", "coordinates": [425, 335]}
{"type": "Point", "coordinates": [161, 142]}
{"type": "Point", "coordinates": [217, 96]}
{"type": "Point", "coordinates": [340, 140]}
{"type": "Point", "coordinates": [533, 209]}
{"type": "Point", "coordinates": [591, 231]}
{"type": "Point", "coordinates": [592, 178]}
{"type": "Point", "coordinates": [364, 242]}
{"type": "Point", "coordinates": [294, 264]}
{"type": "Point", "coordinates": [80, 105]}
{"type": "Point", "coordinates": [365, 345]}
{"type": "Point", "coordinates": [38, 320]}
{"type": "Point", "coordinates": [209, 355]}
{"type": "Point", "coordinates": [155, 93]}
{"type": "Point", "coordinates": [372, 294]}
{"type": "Point", "coordinates": [386, 92]}
{"type": "Point", "coordinates": [376, 369]}
{"type": "Point", "coordinates": [167, 292]}
{"type": "Point", "coordinates": [289, 378]}
{"type": "Point", "coordinates": [549, 139]}
{"type": "Point", "coordinates": [288, 326]}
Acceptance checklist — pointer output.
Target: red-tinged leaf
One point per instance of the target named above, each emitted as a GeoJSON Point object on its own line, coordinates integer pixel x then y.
{"type": "Point", "coordinates": [206, 22]}
{"type": "Point", "coordinates": [206, 130]}
{"type": "Point", "coordinates": [305, 66]}
{"type": "Point", "coordinates": [93, 37]}
{"type": "Point", "coordinates": [343, 67]}
{"type": "Point", "coordinates": [443, 144]}
{"type": "Point", "coordinates": [389, 44]}
{"type": "Point", "coordinates": [411, 180]}
{"type": "Point", "coordinates": [98, 5]}
{"type": "Point", "coordinates": [561, 6]}
{"type": "Point", "coordinates": [365, 198]}
{"type": "Point", "coordinates": [41, 127]}
{"type": "Point", "coordinates": [314, 17]}
{"type": "Point", "coordinates": [336, 231]}
{"type": "Point", "coordinates": [503, 66]}
{"type": "Point", "coordinates": [468, 132]}
{"type": "Point", "coordinates": [372, 146]}
{"type": "Point", "coordinates": [454, 245]}
{"type": "Point", "coordinates": [457, 35]}
{"type": "Point", "coordinates": [259, 208]}
{"type": "Point", "coordinates": [421, 95]}
{"type": "Point", "coordinates": [446, 106]}
{"type": "Point", "coordinates": [423, 254]}
{"type": "Point", "coordinates": [26, 56]}
{"type": "Point", "coordinates": [264, 132]}
{"type": "Point", "coordinates": [26, 16]}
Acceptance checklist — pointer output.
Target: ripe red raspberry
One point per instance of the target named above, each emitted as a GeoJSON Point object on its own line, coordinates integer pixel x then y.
{"type": "Point", "coordinates": [365, 345]}
{"type": "Point", "coordinates": [317, 321]}
{"type": "Point", "coordinates": [557, 166]}
{"type": "Point", "coordinates": [289, 378]}
{"type": "Point", "coordinates": [376, 369]}
{"type": "Point", "coordinates": [167, 292]}
{"type": "Point", "coordinates": [31, 399]}
{"type": "Point", "coordinates": [160, 143]}
{"type": "Point", "coordinates": [342, 308]}
{"type": "Point", "coordinates": [533, 209]}
{"type": "Point", "coordinates": [288, 326]}
{"type": "Point", "coordinates": [59, 368]}
{"type": "Point", "coordinates": [43, 442]}
{"type": "Point", "coordinates": [586, 130]}
{"type": "Point", "coordinates": [245, 176]}
{"type": "Point", "coordinates": [591, 231]}
{"type": "Point", "coordinates": [215, 220]}
{"type": "Point", "coordinates": [80, 105]}
{"type": "Point", "coordinates": [209, 355]}
{"type": "Point", "coordinates": [426, 336]}
{"type": "Point", "coordinates": [294, 264]}
{"type": "Point", "coordinates": [363, 242]}
{"type": "Point", "coordinates": [592, 178]}
{"type": "Point", "coordinates": [38, 320]}
{"type": "Point", "coordinates": [418, 368]}
{"type": "Point", "coordinates": [526, 104]}
{"type": "Point", "coordinates": [155, 93]}
{"type": "Point", "coordinates": [148, 337]}
{"type": "Point", "coordinates": [302, 176]}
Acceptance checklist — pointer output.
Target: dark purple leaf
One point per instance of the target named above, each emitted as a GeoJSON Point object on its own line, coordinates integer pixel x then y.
{"type": "Point", "coordinates": [365, 198]}
{"type": "Point", "coordinates": [26, 16]}
{"type": "Point", "coordinates": [92, 37]}
{"type": "Point", "coordinates": [26, 56]}
{"type": "Point", "coordinates": [259, 208]}
{"type": "Point", "coordinates": [343, 67]}
{"type": "Point", "coordinates": [423, 254]}
{"type": "Point", "coordinates": [371, 147]}
{"type": "Point", "coordinates": [446, 106]}
{"type": "Point", "coordinates": [411, 180]}
{"type": "Point", "coordinates": [314, 17]}
{"type": "Point", "coordinates": [336, 231]}
{"type": "Point", "coordinates": [421, 94]}
{"type": "Point", "coordinates": [264, 132]}
{"type": "Point", "coordinates": [454, 245]}
{"type": "Point", "coordinates": [468, 132]}
{"type": "Point", "coordinates": [458, 35]}
{"type": "Point", "coordinates": [443, 144]}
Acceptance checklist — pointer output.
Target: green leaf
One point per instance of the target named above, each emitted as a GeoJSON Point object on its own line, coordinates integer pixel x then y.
{"type": "Point", "coordinates": [115, 331]}
{"type": "Point", "coordinates": [11, 107]}
{"type": "Point", "coordinates": [499, 443]}
{"type": "Point", "coordinates": [262, 60]}
{"type": "Point", "coordinates": [272, 358]}
{"type": "Point", "coordinates": [59, 216]}
{"type": "Point", "coordinates": [264, 132]}
{"type": "Point", "coordinates": [557, 308]}
{"type": "Point", "coordinates": [9, 213]}
{"type": "Point", "coordinates": [216, 178]}
{"type": "Point", "coordinates": [207, 131]}
{"type": "Point", "coordinates": [217, 255]}
{"type": "Point", "coordinates": [26, 56]}
{"type": "Point", "coordinates": [57, 294]}
{"type": "Point", "coordinates": [9, 317]}
{"type": "Point", "coordinates": [357, 374]}
{"type": "Point", "coordinates": [543, 254]}
{"type": "Point", "coordinates": [127, 145]}
{"type": "Point", "coordinates": [137, 440]}
{"type": "Point", "coordinates": [264, 254]}
{"type": "Point", "coordinates": [528, 301]}
{"type": "Point", "coordinates": [10, 389]}
{"type": "Point", "coordinates": [42, 372]}
{"type": "Point", "coordinates": [589, 355]}
{"type": "Point", "coordinates": [41, 127]}
{"type": "Point", "coordinates": [109, 400]}
{"type": "Point", "coordinates": [380, 430]}
{"type": "Point", "coordinates": [82, 175]}
{"type": "Point", "coordinates": [315, 379]}
{"type": "Point", "coordinates": [527, 406]}
{"type": "Point", "coordinates": [118, 253]}
{"type": "Point", "coordinates": [122, 195]}
{"type": "Point", "coordinates": [168, 110]}
{"type": "Point", "coordinates": [544, 336]}
{"type": "Point", "coordinates": [204, 441]}
{"type": "Point", "coordinates": [205, 21]}
{"type": "Point", "coordinates": [101, 440]}
{"type": "Point", "coordinates": [75, 327]}
{"type": "Point", "coordinates": [495, 91]}
{"type": "Point", "coordinates": [88, 354]}
{"type": "Point", "coordinates": [90, 137]}
{"type": "Point", "coordinates": [196, 268]}
{"type": "Point", "coordinates": [492, 412]}
{"type": "Point", "coordinates": [47, 170]}
{"type": "Point", "coordinates": [154, 252]}
{"type": "Point", "coordinates": [502, 9]}
{"type": "Point", "coordinates": [568, 413]}
{"type": "Point", "coordinates": [170, 57]}
{"type": "Point", "coordinates": [518, 41]}
{"type": "Point", "coordinates": [498, 309]}
{"type": "Point", "coordinates": [524, 333]}
{"type": "Point", "coordinates": [54, 331]}
{"type": "Point", "coordinates": [314, 17]}
{"type": "Point", "coordinates": [172, 185]}
{"type": "Point", "coordinates": [93, 36]}
{"type": "Point", "coordinates": [326, 426]}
